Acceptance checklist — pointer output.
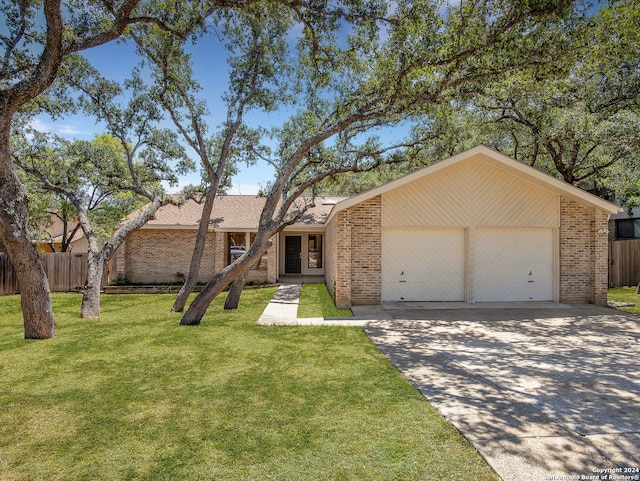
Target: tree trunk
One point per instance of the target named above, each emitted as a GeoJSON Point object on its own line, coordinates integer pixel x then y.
{"type": "Point", "coordinates": [35, 298]}
{"type": "Point", "coordinates": [222, 279]}
{"type": "Point", "coordinates": [98, 257]}
{"type": "Point", "coordinates": [90, 307]}
{"type": "Point", "coordinates": [196, 258]}
{"type": "Point", "coordinates": [233, 298]}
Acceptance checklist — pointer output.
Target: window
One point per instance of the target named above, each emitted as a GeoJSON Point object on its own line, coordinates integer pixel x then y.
{"type": "Point", "coordinates": [628, 229]}
{"type": "Point", "coordinates": [237, 242]}
{"type": "Point", "coordinates": [315, 251]}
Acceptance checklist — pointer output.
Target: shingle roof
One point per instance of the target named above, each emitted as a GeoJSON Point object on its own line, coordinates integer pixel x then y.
{"type": "Point", "coordinates": [233, 212]}
{"type": "Point", "coordinates": [56, 230]}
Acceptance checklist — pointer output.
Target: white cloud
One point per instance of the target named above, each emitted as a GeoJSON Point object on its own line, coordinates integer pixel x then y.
{"type": "Point", "coordinates": [40, 125]}
{"type": "Point", "coordinates": [64, 129]}
{"type": "Point", "coordinates": [69, 129]}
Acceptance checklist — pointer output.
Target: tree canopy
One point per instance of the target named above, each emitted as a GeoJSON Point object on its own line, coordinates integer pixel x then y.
{"type": "Point", "coordinates": [37, 39]}
{"type": "Point", "coordinates": [534, 78]}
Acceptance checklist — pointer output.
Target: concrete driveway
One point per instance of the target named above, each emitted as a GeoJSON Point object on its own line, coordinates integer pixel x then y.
{"type": "Point", "coordinates": [543, 391]}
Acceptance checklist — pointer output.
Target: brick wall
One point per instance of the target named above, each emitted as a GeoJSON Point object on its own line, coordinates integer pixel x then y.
{"type": "Point", "coordinates": [330, 256]}
{"type": "Point", "coordinates": [272, 261]}
{"type": "Point", "coordinates": [353, 272]}
{"type": "Point", "coordinates": [583, 253]}
{"type": "Point", "coordinates": [156, 255]}
{"type": "Point", "coordinates": [353, 268]}
{"type": "Point", "coordinates": [366, 252]}
{"type": "Point", "coordinates": [338, 261]}
{"type": "Point", "coordinates": [600, 257]}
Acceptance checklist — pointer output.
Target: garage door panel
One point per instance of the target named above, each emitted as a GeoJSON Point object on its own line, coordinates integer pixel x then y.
{"type": "Point", "coordinates": [423, 264]}
{"type": "Point", "coordinates": [513, 265]}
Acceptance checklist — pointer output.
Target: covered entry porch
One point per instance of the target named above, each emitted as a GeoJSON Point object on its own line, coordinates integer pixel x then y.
{"type": "Point", "coordinates": [301, 254]}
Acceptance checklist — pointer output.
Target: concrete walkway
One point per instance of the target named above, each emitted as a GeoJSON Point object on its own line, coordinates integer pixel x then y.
{"type": "Point", "coordinates": [283, 311]}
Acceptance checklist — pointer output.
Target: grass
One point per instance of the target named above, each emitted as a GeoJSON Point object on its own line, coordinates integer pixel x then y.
{"type": "Point", "coordinates": [315, 301]}
{"type": "Point", "coordinates": [135, 396]}
{"type": "Point", "coordinates": [626, 294]}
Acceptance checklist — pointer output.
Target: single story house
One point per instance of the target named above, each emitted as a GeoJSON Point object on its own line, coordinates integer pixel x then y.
{"type": "Point", "coordinates": [160, 251]}
{"type": "Point", "coordinates": [476, 227]}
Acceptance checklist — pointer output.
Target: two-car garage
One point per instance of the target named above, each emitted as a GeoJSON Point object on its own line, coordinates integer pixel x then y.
{"type": "Point", "coordinates": [468, 264]}
{"type": "Point", "coordinates": [477, 227]}
{"type": "Point", "coordinates": [470, 232]}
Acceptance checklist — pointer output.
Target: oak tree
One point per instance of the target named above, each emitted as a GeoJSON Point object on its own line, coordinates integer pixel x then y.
{"type": "Point", "coordinates": [383, 71]}
{"type": "Point", "coordinates": [37, 38]}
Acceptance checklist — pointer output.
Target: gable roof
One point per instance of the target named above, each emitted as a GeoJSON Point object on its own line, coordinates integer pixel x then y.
{"type": "Point", "coordinates": [503, 162]}
{"type": "Point", "coordinates": [232, 212]}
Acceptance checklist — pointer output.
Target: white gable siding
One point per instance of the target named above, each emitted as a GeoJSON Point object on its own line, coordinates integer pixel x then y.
{"type": "Point", "coordinates": [470, 193]}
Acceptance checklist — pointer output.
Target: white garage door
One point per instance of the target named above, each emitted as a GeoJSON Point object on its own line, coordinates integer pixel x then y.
{"type": "Point", "coordinates": [423, 264]}
{"type": "Point", "coordinates": [513, 264]}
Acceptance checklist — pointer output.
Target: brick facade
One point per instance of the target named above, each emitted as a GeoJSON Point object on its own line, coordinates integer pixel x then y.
{"type": "Point", "coordinates": [600, 257]}
{"type": "Point", "coordinates": [354, 253]}
{"type": "Point", "coordinates": [366, 252]}
{"type": "Point", "coordinates": [353, 272]}
{"type": "Point", "coordinates": [153, 256]}
{"type": "Point", "coordinates": [353, 262]}
{"type": "Point", "coordinates": [338, 262]}
{"type": "Point", "coordinates": [583, 253]}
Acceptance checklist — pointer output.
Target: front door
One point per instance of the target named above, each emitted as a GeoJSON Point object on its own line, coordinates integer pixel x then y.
{"type": "Point", "coordinates": [293, 254]}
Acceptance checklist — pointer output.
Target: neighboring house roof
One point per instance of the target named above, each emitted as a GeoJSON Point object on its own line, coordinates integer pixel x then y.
{"type": "Point", "coordinates": [502, 161]}
{"type": "Point", "coordinates": [56, 230]}
{"type": "Point", "coordinates": [233, 212]}
{"type": "Point", "coordinates": [54, 237]}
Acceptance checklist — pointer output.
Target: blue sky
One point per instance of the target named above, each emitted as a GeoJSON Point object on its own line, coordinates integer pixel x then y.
{"type": "Point", "coordinates": [116, 60]}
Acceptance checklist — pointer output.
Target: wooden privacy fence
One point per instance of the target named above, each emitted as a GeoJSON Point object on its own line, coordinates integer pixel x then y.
{"type": "Point", "coordinates": [66, 271]}
{"type": "Point", "coordinates": [624, 263]}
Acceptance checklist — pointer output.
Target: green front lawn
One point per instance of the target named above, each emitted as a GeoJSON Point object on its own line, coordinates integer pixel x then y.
{"type": "Point", "coordinates": [626, 294]}
{"type": "Point", "coordinates": [315, 301]}
{"type": "Point", "coordinates": [134, 395]}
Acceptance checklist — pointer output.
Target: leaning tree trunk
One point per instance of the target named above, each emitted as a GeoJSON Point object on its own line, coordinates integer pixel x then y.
{"type": "Point", "coordinates": [196, 258]}
{"type": "Point", "coordinates": [233, 297]}
{"type": "Point", "coordinates": [222, 279]}
{"type": "Point", "coordinates": [35, 296]}
{"type": "Point", "coordinates": [90, 307]}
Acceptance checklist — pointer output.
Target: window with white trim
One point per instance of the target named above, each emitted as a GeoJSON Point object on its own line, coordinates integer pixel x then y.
{"type": "Point", "coordinates": [314, 257]}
